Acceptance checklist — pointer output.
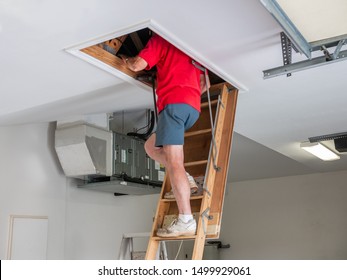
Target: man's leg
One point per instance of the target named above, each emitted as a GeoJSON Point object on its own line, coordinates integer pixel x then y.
{"type": "Point", "coordinates": [170, 134]}
{"type": "Point", "coordinates": [174, 158]}
{"type": "Point", "coordinates": [155, 153]}
{"type": "Point", "coordinates": [185, 225]}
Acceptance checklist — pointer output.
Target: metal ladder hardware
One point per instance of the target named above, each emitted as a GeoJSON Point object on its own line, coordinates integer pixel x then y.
{"type": "Point", "coordinates": [206, 151]}
{"type": "Point", "coordinates": [213, 124]}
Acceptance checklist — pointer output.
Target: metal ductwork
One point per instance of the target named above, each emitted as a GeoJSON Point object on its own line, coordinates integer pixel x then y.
{"type": "Point", "coordinates": [84, 150]}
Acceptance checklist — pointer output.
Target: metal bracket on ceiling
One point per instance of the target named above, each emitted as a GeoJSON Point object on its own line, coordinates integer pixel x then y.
{"type": "Point", "coordinates": [338, 48]}
{"type": "Point", "coordinates": [336, 53]}
{"type": "Point", "coordinates": [286, 50]}
{"type": "Point", "coordinates": [288, 26]}
{"type": "Point", "coordinates": [289, 68]}
{"type": "Point", "coordinates": [328, 56]}
{"type": "Point", "coordinates": [299, 42]}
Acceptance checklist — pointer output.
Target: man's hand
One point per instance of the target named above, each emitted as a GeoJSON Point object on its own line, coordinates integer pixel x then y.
{"type": "Point", "coordinates": [134, 63]}
{"type": "Point", "coordinates": [203, 85]}
{"type": "Point", "coordinates": [124, 58]}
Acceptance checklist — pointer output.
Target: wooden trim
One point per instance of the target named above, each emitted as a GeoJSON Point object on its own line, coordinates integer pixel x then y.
{"type": "Point", "coordinates": [108, 58]}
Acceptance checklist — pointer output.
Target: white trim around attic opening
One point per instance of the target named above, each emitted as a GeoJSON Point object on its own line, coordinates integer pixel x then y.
{"type": "Point", "coordinates": [160, 30]}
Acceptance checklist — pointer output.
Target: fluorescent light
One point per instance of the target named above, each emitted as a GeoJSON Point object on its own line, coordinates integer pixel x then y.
{"type": "Point", "coordinates": [319, 150]}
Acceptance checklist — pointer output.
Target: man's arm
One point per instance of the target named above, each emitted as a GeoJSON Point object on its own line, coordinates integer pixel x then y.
{"type": "Point", "coordinates": [134, 63]}
{"type": "Point", "coordinates": [203, 85]}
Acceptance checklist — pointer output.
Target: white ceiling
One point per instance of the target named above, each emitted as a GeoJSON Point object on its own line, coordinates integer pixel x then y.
{"type": "Point", "coordinates": [42, 82]}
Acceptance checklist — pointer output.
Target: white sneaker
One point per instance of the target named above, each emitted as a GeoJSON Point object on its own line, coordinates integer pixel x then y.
{"type": "Point", "coordinates": [178, 228]}
{"type": "Point", "coordinates": [193, 186]}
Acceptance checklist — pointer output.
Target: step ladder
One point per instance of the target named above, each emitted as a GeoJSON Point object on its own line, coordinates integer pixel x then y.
{"type": "Point", "coordinates": [126, 251]}
{"type": "Point", "coordinates": [208, 157]}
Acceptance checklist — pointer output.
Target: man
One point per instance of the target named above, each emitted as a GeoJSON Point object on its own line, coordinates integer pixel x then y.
{"type": "Point", "coordinates": [179, 87]}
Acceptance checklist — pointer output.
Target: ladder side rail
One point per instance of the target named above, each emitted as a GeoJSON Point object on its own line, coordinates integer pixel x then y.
{"type": "Point", "coordinates": [231, 112]}
{"type": "Point", "coordinates": [153, 245]}
{"type": "Point", "coordinates": [206, 201]}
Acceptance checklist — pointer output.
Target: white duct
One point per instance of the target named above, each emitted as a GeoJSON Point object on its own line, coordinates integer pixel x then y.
{"type": "Point", "coordinates": [84, 150]}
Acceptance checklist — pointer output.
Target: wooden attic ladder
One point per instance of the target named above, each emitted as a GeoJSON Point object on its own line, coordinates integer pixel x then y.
{"type": "Point", "coordinates": [199, 152]}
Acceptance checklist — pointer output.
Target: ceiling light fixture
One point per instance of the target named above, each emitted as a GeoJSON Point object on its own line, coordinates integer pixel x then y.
{"type": "Point", "coordinates": [340, 140]}
{"type": "Point", "coordinates": [320, 151]}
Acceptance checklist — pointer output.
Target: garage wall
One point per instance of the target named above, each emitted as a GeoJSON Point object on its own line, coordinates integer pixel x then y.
{"type": "Point", "coordinates": [82, 224]}
{"type": "Point", "coordinates": [96, 222]}
{"type": "Point", "coordinates": [299, 217]}
{"type": "Point", "coordinates": [32, 183]}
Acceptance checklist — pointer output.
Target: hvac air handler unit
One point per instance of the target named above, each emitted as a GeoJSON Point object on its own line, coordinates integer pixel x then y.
{"type": "Point", "coordinates": [107, 161]}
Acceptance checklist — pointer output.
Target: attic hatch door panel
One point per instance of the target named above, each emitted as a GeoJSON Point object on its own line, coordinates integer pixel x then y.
{"type": "Point", "coordinates": [130, 44]}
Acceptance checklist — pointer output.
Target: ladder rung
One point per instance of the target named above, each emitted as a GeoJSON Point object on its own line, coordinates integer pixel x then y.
{"type": "Point", "coordinates": [205, 104]}
{"type": "Point", "coordinates": [198, 132]}
{"type": "Point", "coordinates": [157, 238]}
{"type": "Point", "coordinates": [220, 86]}
{"type": "Point", "coordinates": [196, 197]}
{"type": "Point", "coordinates": [194, 163]}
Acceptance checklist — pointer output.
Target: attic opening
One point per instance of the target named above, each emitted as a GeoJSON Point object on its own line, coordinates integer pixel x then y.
{"type": "Point", "coordinates": [109, 52]}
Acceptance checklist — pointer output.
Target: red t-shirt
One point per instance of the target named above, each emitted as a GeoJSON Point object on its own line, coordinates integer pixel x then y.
{"type": "Point", "coordinates": [178, 79]}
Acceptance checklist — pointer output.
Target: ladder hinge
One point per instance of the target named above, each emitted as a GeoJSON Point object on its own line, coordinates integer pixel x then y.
{"type": "Point", "coordinates": [205, 215]}
{"type": "Point", "coordinates": [206, 190]}
{"type": "Point", "coordinates": [220, 102]}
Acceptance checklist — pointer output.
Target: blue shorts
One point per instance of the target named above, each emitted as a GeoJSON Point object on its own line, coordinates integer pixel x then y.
{"type": "Point", "coordinates": [173, 121]}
